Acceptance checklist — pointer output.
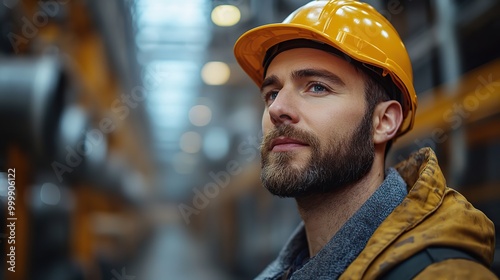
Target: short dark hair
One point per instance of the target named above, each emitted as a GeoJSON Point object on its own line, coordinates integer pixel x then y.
{"type": "Point", "coordinates": [374, 93]}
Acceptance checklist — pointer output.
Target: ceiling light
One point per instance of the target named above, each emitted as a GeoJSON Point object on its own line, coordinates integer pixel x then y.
{"type": "Point", "coordinates": [190, 142]}
{"type": "Point", "coordinates": [215, 73]}
{"type": "Point", "coordinates": [226, 15]}
{"type": "Point", "coordinates": [200, 115]}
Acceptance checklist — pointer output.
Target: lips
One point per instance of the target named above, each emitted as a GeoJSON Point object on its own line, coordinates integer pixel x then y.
{"type": "Point", "coordinates": [282, 144]}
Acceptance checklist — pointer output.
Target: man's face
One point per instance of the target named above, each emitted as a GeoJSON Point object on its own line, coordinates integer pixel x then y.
{"type": "Point", "coordinates": [317, 134]}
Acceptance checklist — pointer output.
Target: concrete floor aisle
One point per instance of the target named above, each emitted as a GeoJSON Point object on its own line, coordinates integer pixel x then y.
{"type": "Point", "coordinates": [175, 255]}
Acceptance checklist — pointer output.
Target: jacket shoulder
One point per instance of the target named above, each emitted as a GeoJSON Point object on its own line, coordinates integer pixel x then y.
{"type": "Point", "coordinates": [431, 215]}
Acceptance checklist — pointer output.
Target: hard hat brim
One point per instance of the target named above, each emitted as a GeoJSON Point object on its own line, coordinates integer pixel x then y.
{"type": "Point", "coordinates": [251, 47]}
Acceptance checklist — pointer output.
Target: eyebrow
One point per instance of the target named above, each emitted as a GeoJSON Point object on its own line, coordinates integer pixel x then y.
{"type": "Point", "coordinates": [271, 80]}
{"type": "Point", "coordinates": [318, 73]}
{"type": "Point", "coordinates": [306, 73]}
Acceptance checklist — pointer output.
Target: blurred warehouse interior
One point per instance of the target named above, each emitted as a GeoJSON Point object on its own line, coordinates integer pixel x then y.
{"type": "Point", "coordinates": [134, 134]}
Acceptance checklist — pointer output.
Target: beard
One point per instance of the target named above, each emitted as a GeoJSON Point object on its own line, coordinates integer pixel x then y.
{"type": "Point", "coordinates": [342, 162]}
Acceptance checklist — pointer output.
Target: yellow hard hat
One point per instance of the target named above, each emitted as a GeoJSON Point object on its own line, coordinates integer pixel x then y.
{"type": "Point", "coordinates": [354, 28]}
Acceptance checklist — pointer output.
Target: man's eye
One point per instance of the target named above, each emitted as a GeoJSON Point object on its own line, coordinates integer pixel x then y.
{"type": "Point", "coordinates": [270, 96]}
{"type": "Point", "coordinates": [318, 88]}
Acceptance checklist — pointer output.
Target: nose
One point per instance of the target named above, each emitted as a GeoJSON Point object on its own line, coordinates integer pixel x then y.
{"type": "Point", "coordinates": [283, 110]}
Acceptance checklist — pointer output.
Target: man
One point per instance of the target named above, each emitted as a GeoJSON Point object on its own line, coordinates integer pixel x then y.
{"type": "Point", "coordinates": [337, 85]}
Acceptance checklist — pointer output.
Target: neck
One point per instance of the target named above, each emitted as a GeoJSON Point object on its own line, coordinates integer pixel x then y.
{"type": "Point", "coordinates": [324, 214]}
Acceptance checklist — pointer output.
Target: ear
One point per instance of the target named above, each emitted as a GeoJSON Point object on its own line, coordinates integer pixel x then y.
{"type": "Point", "coordinates": [387, 118]}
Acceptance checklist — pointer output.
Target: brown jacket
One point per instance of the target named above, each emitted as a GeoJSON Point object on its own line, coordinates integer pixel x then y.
{"type": "Point", "coordinates": [431, 214]}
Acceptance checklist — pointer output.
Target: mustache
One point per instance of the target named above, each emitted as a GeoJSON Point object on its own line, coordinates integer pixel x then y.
{"type": "Point", "coordinates": [287, 131]}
